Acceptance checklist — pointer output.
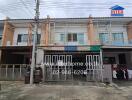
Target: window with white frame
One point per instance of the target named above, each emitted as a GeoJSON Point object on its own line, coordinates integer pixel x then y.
{"type": "Point", "coordinates": [24, 38]}
{"type": "Point", "coordinates": [104, 38]}
{"type": "Point", "coordinates": [72, 37]}
{"type": "Point", "coordinates": [80, 38]}
{"type": "Point", "coordinates": [118, 37]}
{"type": "Point", "coordinates": [62, 37]}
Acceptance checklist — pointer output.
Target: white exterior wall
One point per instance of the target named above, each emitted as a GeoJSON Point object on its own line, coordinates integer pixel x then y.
{"type": "Point", "coordinates": [21, 31]}
{"type": "Point", "coordinates": [40, 53]}
{"type": "Point", "coordinates": [65, 29]}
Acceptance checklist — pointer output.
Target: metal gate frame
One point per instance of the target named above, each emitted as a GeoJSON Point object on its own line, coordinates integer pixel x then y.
{"type": "Point", "coordinates": [93, 68]}
{"type": "Point", "coordinates": [13, 72]}
{"type": "Point", "coordinates": [58, 67]}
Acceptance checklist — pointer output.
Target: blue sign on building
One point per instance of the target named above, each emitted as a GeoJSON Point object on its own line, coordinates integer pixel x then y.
{"type": "Point", "coordinates": [117, 11]}
{"type": "Point", "coordinates": [70, 48]}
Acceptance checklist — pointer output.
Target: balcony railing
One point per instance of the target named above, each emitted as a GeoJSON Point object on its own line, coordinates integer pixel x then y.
{"type": "Point", "coordinates": [117, 43]}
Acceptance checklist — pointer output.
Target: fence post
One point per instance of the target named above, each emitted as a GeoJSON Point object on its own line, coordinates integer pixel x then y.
{"type": "Point", "coordinates": [13, 72]}
{"type": "Point", "coordinates": [6, 70]}
{"type": "Point", "coordinates": [20, 71]}
{"type": "Point", "coordinates": [0, 87]}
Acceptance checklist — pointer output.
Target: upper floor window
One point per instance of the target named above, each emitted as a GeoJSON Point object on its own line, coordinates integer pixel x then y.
{"type": "Point", "coordinates": [104, 38]}
{"type": "Point", "coordinates": [24, 38]}
{"type": "Point", "coordinates": [72, 37]}
{"type": "Point", "coordinates": [0, 38]}
{"type": "Point", "coordinates": [80, 38]}
{"type": "Point", "coordinates": [118, 37]}
{"type": "Point", "coordinates": [62, 37]}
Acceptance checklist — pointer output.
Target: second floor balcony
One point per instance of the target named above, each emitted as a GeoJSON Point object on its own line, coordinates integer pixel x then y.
{"type": "Point", "coordinates": [22, 39]}
{"type": "Point", "coordinates": [114, 39]}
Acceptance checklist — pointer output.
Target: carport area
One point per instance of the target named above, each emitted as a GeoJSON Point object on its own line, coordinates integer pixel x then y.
{"type": "Point", "coordinates": [119, 58]}
{"type": "Point", "coordinates": [14, 61]}
{"type": "Point", "coordinates": [16, 54]}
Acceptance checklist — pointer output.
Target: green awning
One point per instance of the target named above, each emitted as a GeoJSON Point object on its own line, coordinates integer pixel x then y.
{"type": "Point", "coordinates": [95, 48]}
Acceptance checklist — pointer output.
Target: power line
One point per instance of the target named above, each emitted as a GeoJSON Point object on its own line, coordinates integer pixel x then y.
{"type": "Point", "coordinates": [17, 8]}
{"type": "Point", "coordinates": [84, 3]}
{"type": "Point", "coordinates": [26, 7]}
{"type": "Point", "coordinates": [69, 7]}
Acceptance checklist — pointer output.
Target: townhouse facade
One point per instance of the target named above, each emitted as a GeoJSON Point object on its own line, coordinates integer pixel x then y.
{"type": "Point", "coordinates": [68, 49]}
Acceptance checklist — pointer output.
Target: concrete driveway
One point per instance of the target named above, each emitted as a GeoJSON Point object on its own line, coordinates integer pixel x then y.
{"type": "Point", "coordinates": [91, 91]}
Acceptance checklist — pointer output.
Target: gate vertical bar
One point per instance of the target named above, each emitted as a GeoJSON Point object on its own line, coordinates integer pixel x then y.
{"type": "Point", "coordinates": [92, 57]}
{"type": "Point", "coordinates": [20, 70]}
{"type": "Point", "coordinates": [6, 70]}
{"type": "Point", "coordinates": [52, 64]}
{"type": "Point", "coordinates": [96, 64]}
{"type": "Point", "coordinates": [101, 64]}
{"type": "Point", "coordinates": [64, 63]}
{"type": "Point", "coordinates": [50, 59]}
{"type": "Point", "coordinates": [65, 67]}
{"type": "Point", "coordinates": [13, 71]}
{"type": "Point", "coordinates": [58, 58]}
{"type": "Point", "coordinates": [44, 68]}
{"type": "Point", "coordinates": [97, 68]}
{"type": "Point", "coordinates": [71, 67]}
{"type": "Point", "coordinates": [87, 67]}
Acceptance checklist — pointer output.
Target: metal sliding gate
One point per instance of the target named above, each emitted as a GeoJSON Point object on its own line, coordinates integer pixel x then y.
{"type": "Point", "coordinates": [12, 72]}
{"type": "Point", "coordinates": [58, 67]}
{"type": "Point", "coordinates": [93, 68]}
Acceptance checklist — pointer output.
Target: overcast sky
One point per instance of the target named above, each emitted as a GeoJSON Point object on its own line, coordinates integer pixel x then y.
{"type": "Point", "coordinates": [62, 8]}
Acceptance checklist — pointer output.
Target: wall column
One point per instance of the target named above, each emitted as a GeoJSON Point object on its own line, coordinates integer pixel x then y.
{"type": "Point", "coordinates": [129, 32]}
{"type": "Point", "coordinates": [45, 29]}
{"type": "Point", "coordinates": [8, 33]}
{"type": "Point", "coordinates": [90, 30]}
{"type": "Point", "coordinates": [29, 42]}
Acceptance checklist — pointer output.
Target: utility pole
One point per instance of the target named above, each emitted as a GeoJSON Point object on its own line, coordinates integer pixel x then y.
{"type": "Point", "coordinates": [34, 50]}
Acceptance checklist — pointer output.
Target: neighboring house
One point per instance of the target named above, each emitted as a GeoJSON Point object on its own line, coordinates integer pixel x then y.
{"type": "Point", "coordinates": [93, 42]}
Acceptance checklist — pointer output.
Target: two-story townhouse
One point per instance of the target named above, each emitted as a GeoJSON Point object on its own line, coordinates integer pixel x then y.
{"type": "Point", "coordinates": [69, 48]}
{"type": "Point", "coordinates": [87, 43]}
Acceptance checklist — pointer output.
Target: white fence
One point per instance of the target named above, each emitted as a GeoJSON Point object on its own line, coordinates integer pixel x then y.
{"type": "Point", "coordinates": [14, 72]}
